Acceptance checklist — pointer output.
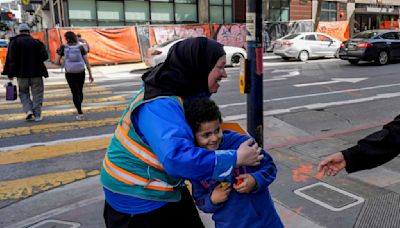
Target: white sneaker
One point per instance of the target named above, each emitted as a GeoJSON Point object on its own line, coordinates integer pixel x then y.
{"type": "Point", "coordinates": [29, 116]}
{"type": "Point", "coordinates": [38, 118]}
{"type": "Point", "coordinates": [80, 117]}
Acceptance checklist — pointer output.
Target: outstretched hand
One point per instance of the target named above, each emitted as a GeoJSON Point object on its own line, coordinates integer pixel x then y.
{"type": "Point", "coordinates": [332, 164]}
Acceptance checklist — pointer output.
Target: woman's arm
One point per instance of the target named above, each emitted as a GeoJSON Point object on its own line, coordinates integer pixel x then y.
{"type": "Point", "coordinates": [88, 67]}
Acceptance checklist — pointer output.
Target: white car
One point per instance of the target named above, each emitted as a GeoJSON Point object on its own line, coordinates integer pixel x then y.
{"type": "Point", "coordinates": [303, 46]}
{"type": "Point", "coordinates": [158, 54]}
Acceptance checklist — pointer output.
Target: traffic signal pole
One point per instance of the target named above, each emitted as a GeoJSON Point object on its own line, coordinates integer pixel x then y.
{"type": "Point", "coordinates": [254, 70]}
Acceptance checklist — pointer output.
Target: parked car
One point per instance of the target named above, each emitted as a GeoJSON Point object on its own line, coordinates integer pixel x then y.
{"type": "Point", "coordinates": [3, 43]}
{"type": "Point", "coordinates": [305, 45]}
{"type": "Point", "coordinates": [379, 46]}
{"type": "Point", "coordinates": [158, 54]}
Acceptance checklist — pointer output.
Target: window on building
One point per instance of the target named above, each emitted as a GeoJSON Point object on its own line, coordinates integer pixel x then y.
{"type": "Point", "coordinates": [137, 11]}
{"type": "Point", "coordinates": [279, 10]}
{"type": "Point", "coordinates": [185, 11]}
{"type": "Point", "coordinates": [110, 13]}
{"type": "Point", "coordinates": [328, 11]}
{"type": "Point", "coordinates": [220, 11]}
{"type": "Point", "coordinates": [82, 12]}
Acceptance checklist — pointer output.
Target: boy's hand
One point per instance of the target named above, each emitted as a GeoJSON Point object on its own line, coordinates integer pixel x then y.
{"type": "Point", "coordinates": [220, 193]}
{"type": "Point", "coordinates": [245, 183]}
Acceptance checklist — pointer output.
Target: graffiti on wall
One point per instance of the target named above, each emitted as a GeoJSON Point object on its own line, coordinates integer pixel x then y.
{"type": "Point", "coordinates": [144, 42]}
{"type": "Point", "coordinates": [163, 34]}
{"type": "Point", "coordinates": [276, 30]}
{"type": "Point", "coordinates": [336, 29]}
{"type": "Point", "coordinates": [230, 34]}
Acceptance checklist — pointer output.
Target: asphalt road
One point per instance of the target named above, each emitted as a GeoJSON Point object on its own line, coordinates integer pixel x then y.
{"type": "Point", "coordinates": [314, 98]}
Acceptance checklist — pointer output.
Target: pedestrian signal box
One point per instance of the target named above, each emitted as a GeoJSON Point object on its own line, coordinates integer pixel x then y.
{"type": "Point", "coordinates": [244, 83]}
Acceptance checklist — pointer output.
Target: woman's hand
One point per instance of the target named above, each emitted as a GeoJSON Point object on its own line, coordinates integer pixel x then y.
{"type": "Point", "coordinates": [249, 155]}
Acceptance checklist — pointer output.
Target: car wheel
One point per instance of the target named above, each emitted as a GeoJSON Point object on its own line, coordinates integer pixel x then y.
{"type": "Point", "coordinates": [303, 56]}
{"type": "Point", "coordinates": [286, 58]}
{"type": "Point", "coordinates": [235, 60]}
{"type": "Point", "coordinates": [354, 61]}
{"type": "Point", "coordinates": [382, 58]}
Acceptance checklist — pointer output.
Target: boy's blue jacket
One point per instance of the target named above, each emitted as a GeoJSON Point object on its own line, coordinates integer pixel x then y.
{"type": "Point", "coordinates": [254, 209]}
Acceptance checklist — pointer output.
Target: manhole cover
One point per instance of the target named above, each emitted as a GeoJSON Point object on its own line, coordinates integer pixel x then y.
{"type": "Point", "coordinates": [328, 196]}
{"type": "Point", "coordinates": [55, 224]}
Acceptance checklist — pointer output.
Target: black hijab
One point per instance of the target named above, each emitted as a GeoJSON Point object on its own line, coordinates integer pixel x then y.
{"type": "Point", "coordinates": [185, 71]}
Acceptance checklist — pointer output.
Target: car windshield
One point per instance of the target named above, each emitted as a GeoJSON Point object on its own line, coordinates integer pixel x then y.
{"type": "Point", "coordinates": [365, 35]}
{"type": "Point", "coordinates": [291, 36]}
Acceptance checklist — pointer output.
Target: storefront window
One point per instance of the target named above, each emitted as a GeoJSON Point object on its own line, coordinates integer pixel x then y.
{"type": "Point", "coordinates": [279, 10]}
{"type": "Point", "coordinates": [220, 11]}
{"type": "Point", "coordinates": [328, 11]}
{"type": "Point", "coordinates": [82, 13]}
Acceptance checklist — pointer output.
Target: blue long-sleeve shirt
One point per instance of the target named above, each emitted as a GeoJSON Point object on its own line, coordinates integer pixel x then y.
{"type": "Point", "coordinates": [161, 123]}
{"type": "Point", "coordinates": [254, 209]}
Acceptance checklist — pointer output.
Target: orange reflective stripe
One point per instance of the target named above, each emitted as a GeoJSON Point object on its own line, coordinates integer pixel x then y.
{"type": "Point", "coordinates": [181, 100]}
{"type": "Point", "coordinates": [159, 188]}
{"type": "Point", "coordinates": [116, 176]}
{"type": "Point", "coordinates": [135, 178]}
{"type": "Point", "coordinates": [127, 118]}
{"type": "Point", "coordinates": [137, 150]}
{"type": "Point", "coordinates": [132, 179]}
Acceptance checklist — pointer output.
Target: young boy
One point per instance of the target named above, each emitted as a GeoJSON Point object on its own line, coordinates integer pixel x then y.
{"type": "Point", "coordinates": [245, 202]}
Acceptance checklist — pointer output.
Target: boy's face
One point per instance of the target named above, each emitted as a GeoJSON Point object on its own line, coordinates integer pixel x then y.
{"type": "Point", "coordinates": [209, 135]}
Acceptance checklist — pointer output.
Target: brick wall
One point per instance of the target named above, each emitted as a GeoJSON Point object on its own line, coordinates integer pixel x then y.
{"type": "Point", "coordinates": [300, 9]}
{"type": "Point", "coordinates": [341, 9]}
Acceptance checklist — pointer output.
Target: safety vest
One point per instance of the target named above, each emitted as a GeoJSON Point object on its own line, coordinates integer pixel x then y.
{"type": "Point", "coordinates": [130, 166]}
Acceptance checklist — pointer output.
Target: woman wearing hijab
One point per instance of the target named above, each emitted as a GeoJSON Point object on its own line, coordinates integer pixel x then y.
{"type": "Point", "coordinates": [153, 148]}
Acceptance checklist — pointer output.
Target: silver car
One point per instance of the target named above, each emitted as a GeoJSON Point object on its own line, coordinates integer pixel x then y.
{"type": "Point", "coordinates": [158, 54]}
{"type": "Point", "coordinates": [303, 46]}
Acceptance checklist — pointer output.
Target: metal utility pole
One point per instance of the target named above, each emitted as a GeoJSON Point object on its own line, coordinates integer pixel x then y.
{"type": "Point", "coordinates": [254, 26]}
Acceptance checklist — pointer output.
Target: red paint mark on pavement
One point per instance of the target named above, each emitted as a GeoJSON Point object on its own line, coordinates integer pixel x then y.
{"type": "Point", "coordinates": [303, 173]}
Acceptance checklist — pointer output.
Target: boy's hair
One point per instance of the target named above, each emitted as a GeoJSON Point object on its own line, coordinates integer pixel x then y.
{"type": "Point", "coordinates": [201, 110]}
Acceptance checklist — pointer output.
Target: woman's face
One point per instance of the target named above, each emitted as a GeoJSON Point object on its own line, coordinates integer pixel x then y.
{"type": "Point", "coordinates": [216, 74]}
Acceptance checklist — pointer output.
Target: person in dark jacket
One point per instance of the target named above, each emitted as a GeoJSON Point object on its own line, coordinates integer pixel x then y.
{"type": "Point", "coordinates": [370, 152]}
{"type": "Point", "coordinates": [25, 61]}
{"type": "Point", "coordinates": [230, 201]}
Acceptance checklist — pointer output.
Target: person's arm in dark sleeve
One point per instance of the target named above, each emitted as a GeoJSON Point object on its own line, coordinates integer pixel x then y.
{"type": "Point", "coordinates": [375, 149]}
{"type": "Point", "coordinates": [266, 174]}
{"type": "Point", "coordinates": [43, 52]}
{"type": "Point", "coordinates": [164, 127]}
{"type": "Point", "coordinates": [202, 197]}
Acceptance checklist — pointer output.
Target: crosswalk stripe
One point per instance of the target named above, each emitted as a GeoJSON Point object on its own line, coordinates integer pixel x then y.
{"type": "Point", "coordinates": [63, 102]}
{"type": "Point", "coordinates": [57, 127]}
{"type": "Point", "coordinates": [50, 91]}
{"type": "Point", "coordinates": [25, 187]}
{"type": "Point", "coordinates": [52, 151]}
{"type": "Point", "coordinates": [65, 112]}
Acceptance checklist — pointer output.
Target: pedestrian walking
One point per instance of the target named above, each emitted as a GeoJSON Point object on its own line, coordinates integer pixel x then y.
{"type": "Point", "coordinates": [25, 61]}
{"type": "Point", "coordinates": [153, 147]}
{"type": "Point", "coordinates": [74, 61]}
{"type": "Point", "coordinates": [370, 152]}
{"type": "Point", "coordinates": [229, 201]}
